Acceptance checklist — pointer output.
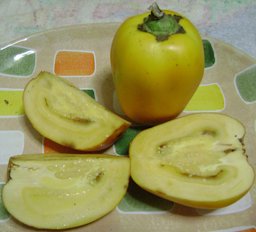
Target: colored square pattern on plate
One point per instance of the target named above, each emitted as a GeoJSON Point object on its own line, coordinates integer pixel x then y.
{"type": "Point", "coordinates": [18, 61]}
{"type": "Point", "coordinates": [207, 98]}
{"type": "Point", "coordinates": [138, 201]}
{"type": "Point", "coordinates": [11, 103]}
{"type": "Point", "coordinates": [74, 63]}
{"type": "Point", "coordinates": [245, 83]}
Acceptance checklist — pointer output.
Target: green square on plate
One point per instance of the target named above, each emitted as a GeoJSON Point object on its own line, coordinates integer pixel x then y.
{"type": "Point", "coordinates": [246, 84]}
{"type": "Point", "coordinates": [17, 61]}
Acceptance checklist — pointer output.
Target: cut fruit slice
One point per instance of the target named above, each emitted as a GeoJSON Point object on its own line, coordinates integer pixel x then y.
{"type": "Point", "coordinates": [61, 112]}
{"type": "Point", "coordinates": [62, 191]}
{"type": "Point", "coordinates": [197, 160]}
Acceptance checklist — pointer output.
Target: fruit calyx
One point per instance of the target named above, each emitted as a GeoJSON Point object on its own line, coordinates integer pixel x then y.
{"type": "Point", "coordinates": [161, 25]}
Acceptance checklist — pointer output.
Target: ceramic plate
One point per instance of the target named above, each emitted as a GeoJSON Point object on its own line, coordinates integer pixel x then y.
{"type": "Point", "coordinates": [81, 55]}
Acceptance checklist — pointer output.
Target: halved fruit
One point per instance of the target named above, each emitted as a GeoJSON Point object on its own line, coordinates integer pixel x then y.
{"type": "Point", "coordinates": [62, 191]}
{"type": "Point", "coordinates": [68, 116]}
{"type": "Point", "coordinates": [197, 160]}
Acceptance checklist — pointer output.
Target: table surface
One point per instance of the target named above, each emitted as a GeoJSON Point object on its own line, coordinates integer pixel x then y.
{"type": "Point", "coordinates": [232, 21]}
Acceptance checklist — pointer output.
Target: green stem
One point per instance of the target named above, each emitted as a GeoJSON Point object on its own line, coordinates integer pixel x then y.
{"type": "Point", "coordinates": [161, 25]}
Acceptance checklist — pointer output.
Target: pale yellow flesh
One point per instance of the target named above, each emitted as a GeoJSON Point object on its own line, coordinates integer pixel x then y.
{"type": "Point", "coordinates": [63, 191]}
{"type": "Point", "coordinates": [197, 160]}
{"type": "Point", "coordinates": [68, 116]}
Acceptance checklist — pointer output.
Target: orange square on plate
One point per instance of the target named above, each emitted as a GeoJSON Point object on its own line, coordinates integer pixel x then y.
{"type": "Point", "coordinates": [74, 63]}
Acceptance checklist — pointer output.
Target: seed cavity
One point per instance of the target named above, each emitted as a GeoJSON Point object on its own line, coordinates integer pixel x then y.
{"type": "Point", "coordinates": [95, 176]}
{"type": "Point", "coordinates": [66, 114]}
{"type": "Point", "coordinates": [227, 151]}
{"type": "Point", "coordinates": [209, 132]}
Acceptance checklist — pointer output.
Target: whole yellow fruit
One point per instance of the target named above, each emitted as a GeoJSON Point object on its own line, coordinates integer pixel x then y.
{"type": "Point", "coordinates": [157, 62]}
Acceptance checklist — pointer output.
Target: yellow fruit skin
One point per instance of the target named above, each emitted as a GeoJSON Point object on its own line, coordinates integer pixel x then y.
{"type": "Point", "coordinates": [155, 80]}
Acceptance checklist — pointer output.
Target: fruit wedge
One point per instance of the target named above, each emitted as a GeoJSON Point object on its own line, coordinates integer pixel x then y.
{"type": "Point", "coordinates": [68, 116]}
{"type": "Point", "coordinates": [197, 160]}
{"type": "Point", "coordinates": [63, 191]}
